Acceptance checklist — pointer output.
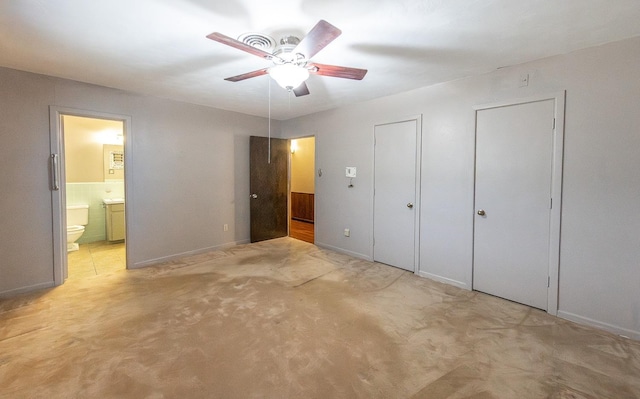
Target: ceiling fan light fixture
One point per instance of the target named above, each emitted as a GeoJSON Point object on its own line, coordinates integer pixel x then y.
{"type": "Point", "coordinates": [291, 58]}
{"type": "Point", "coordinates": [289, 76]}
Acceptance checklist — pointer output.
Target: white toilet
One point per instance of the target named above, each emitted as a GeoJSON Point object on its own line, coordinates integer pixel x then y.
{"type": "Point", "coordinates": [77, 218]}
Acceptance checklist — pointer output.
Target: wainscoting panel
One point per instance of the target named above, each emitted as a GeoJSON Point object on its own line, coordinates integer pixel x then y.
{"type": "Point", "coordinates": [302, 207]}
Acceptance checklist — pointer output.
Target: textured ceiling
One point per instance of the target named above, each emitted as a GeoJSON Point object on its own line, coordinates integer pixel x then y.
{"type": "Point", "coordinates": [159, 48]}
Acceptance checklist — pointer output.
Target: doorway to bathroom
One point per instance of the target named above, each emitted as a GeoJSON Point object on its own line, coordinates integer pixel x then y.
{"type": "Point", "coordinates": [88, 174]}
{"type": "Point", "coordinates": [302, 189]}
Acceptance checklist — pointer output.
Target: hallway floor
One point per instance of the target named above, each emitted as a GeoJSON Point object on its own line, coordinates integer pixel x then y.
{"type": "Point", "coordinates": [285, 319]}
{"type": "Point", "coordinates": [301, 230]}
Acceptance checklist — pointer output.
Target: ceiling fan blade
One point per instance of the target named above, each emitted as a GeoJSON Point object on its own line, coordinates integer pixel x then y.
{"type": "Point", "coordinates": [301, 90]}
{"type": "Point", "coordinates": [248, 75]}
{"type": "Point", "coordinates": [318, 38]}
{"type": "Point", "coordinates": [219, 37]}
{"type": "Point", "coordinates": [337, 71]}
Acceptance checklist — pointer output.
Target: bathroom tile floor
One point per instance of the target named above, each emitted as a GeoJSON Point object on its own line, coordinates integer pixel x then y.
{"type": "Point", "coordinates": [96, 258]}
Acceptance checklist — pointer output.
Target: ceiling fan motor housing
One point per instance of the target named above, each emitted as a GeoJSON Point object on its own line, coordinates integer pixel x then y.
{"type": "Point", "coordinates": [285, 49]}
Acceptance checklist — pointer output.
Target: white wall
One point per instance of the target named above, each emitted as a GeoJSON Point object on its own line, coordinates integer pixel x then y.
{"type": "Point", "coordinates": [600, 239]}
{"type": "Point", "coordinates": [190, 174]}
{"type": "Point", "coordinates": [204, 154]}
{"type": "Point", "coordinates": [26, 254]}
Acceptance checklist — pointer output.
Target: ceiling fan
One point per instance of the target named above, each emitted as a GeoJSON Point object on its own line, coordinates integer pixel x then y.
{"type": "Point", "coordinates": [292, 58]}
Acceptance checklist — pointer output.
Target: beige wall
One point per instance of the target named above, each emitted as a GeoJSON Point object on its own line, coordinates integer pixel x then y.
{"type": "Point", "coordinates": [303, 165]}
{"type": "Point", "coordinates": [85, 140]}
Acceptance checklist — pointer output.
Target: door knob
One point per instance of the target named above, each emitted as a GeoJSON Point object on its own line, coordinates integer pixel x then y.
{"type": "Point", "coordinates": [410, 205]}
{"type": "Point", "coordinates": [481, 212]}
{"type": "Point", "coordinates": [253, 196]}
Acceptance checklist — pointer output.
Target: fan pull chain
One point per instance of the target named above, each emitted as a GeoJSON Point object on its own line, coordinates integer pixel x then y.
{"type": "Point", "coordinates": [269, 145]}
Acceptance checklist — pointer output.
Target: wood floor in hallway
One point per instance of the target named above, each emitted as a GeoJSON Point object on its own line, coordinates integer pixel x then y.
{"type": "Point", "coordinates": [286, 319]}
{"type": "Point", "coordinates": [302, 230]}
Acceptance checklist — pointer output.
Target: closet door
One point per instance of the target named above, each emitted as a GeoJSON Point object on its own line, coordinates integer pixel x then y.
{"type": "Point", "coordinates": [514, 168]}
{"type": "Point", "coordinates": [395, 194]}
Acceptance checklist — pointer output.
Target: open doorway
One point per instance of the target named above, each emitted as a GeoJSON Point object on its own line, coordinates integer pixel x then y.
{"type": "Point", "coordinates": [95, 196]}
{"type": "Point", "coordinates": [302, 186]}
{"type": "Point", "coordinates": [87, 175]}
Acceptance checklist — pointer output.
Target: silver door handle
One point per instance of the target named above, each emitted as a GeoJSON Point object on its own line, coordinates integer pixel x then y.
{"type": "Point", "coordinates": [55, 178]}
{"type": "Point", "coordinates": [410, 205]}
{"type": "Point", "coordinates": [481, 212]}
{"type": "Point", "coordinates": [253, 196]}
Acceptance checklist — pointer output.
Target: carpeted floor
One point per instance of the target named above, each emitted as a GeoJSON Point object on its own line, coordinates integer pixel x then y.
{"type": "Point", "coordinates": [284, 319]}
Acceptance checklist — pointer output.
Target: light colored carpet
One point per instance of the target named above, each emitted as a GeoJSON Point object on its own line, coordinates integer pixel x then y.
{"type": "Point", "coordinates": [284, 319]}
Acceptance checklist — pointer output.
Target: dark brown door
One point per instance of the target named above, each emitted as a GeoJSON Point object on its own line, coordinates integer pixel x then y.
{"type": "Point", "coordinates": [268, 182]}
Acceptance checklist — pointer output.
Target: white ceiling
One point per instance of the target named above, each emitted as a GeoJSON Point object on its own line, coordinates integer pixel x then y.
{"type": "Point", "coordinates": [159, 48]}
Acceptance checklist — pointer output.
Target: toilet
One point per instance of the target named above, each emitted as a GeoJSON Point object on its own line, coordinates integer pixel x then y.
{"type": "Point", "coordinates": [77, 218]}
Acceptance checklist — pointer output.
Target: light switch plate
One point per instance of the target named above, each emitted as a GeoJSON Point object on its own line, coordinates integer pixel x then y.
{"type": "Point", "coordinates": [350, 171]}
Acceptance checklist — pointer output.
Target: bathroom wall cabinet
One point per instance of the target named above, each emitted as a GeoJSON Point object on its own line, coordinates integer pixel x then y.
{"type": "Point", "coordinates": [115, 222]}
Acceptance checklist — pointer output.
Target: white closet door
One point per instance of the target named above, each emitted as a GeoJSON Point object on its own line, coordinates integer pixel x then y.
{"type": "Point", "coordinates": [394, 223]}
{"type": "Point", "coordinates": [514, 155]}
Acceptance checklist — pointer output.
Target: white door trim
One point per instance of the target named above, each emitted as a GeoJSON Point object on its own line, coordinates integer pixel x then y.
{"type": "Point", "coordinates": [556, 187]}
{"type": "Point", "coordinates": [418, 180]}
{"type": "Point", "coordinates": [58, 197]}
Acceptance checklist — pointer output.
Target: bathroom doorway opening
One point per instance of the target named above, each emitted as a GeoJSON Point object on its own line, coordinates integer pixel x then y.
{"type": "Point", "coordinates": [89, 160]}
{"type": "Point", "coordinates": [302, 189]}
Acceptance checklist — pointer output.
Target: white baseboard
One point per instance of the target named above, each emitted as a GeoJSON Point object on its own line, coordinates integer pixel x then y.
{"type": "Point", "coordinates": [155, 261]}
{"type": "Point", "coordinates": [343, 251]}
{"type": "Point", "coordinates": [22, 290]}
{"type": "Point", "coordinates": [598, 324]}
{"type": "Point", "coordinates": [445, 280]}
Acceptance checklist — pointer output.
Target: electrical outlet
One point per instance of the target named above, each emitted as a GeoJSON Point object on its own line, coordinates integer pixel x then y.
{"type": "Point", "coordinates": [347, 233]}
{"type": "Point", "coordinates": [225, 227]}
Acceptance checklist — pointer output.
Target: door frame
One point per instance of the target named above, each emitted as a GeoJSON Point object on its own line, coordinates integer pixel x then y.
{"type": "Point", "coordinates": [418, 180]}
{"type": "Point", "coordinates": [556, 187]}
{"type": "Point", "coordinates": [58, 196]}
